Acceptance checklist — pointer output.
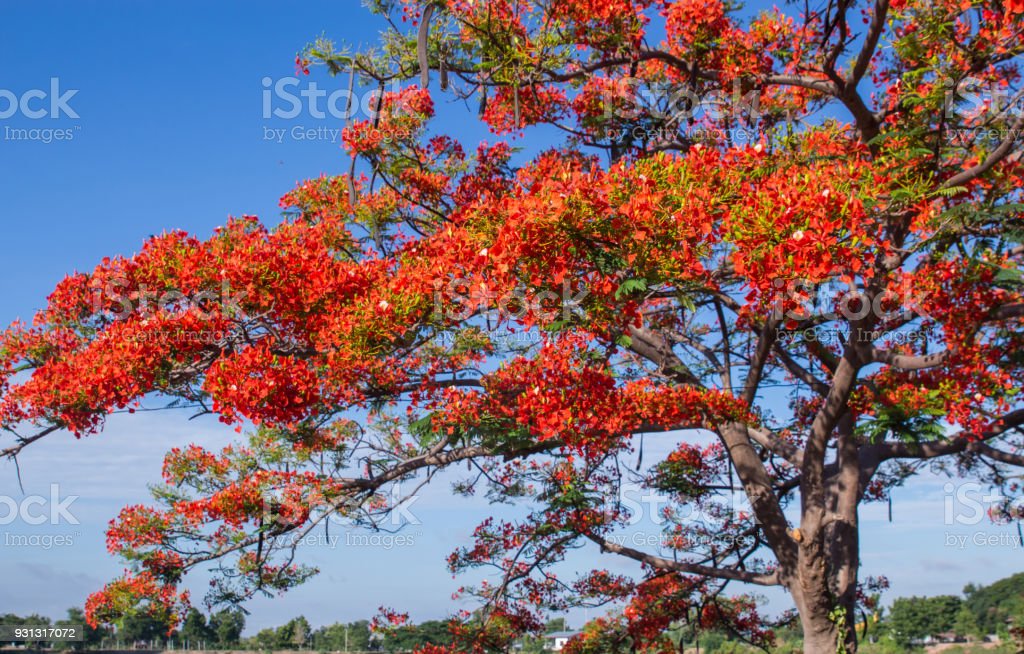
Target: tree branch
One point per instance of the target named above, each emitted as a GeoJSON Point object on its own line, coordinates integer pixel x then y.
{"type": "Point", "coordinates": [994, 157]}
{"type": "Point", "coordinates": [732, 574]}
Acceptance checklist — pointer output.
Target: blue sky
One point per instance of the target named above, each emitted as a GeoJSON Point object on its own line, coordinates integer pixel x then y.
{"type": "Point", "coordinates": [170, 134]}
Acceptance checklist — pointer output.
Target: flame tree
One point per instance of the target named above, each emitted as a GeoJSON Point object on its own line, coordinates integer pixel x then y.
{"type": "Point", "coordinates": [791, 237]}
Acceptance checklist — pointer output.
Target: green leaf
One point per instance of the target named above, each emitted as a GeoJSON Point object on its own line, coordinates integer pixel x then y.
{"type": "Point", "coordinates": [630, 286]}
{"type": "Point", "coordinates": [1009, 277]}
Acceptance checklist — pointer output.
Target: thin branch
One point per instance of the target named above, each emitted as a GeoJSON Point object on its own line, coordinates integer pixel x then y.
{"type": "Point", "coordinates": [732, 574]}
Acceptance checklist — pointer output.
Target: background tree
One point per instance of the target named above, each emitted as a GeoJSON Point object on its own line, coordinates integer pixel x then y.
{"type": "Point", "coordinates": [808, 316]}
{"type": "Point", "coordinates": [994, 604]}
{"type": "Point", "coordinates": [227, 626]}
{"type": "Point", "coordinates": [966, 624]}
{"type": "Point", "coordinates": [343, 637]}
{"type": "Point", "coordinates": [265, 640]}
{"type": "Point", "coordinates": [33, 620]}
{"type": "Point", "coordinates": [408, 638]}
{"type": "Point", "coordinates": [914, 618]}
{"type": "Point", "coordinates": [294, 634]}
{"type": "Point", "coordinates": [92, 637]}
{"type": "Point", "coordinates": [195, 631]}
{"type": "Point", "coordinates": [142, 627]}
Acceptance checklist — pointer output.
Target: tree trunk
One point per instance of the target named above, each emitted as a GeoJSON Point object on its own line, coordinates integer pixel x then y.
{"type": "Point", "coordinates": [827, 628]}
{"type": "Point", "coordinates": [820, 638]}
{"type": "Point", "coordinates": [824, 590]}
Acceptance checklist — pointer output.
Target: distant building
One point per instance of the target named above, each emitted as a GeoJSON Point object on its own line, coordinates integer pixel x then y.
{"type": "Point", "coordinates": [949, 637]}
{"type": "Point", "coordinates": [936, 639]}
{"type": "Point", "coordinates": [556, 640]}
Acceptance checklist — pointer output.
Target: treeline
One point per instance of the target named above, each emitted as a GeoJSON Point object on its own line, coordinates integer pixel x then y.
{"type": "Point", "coordinates": [349, 637]}
{"type": "Point", "coordinates": [92, 638]}
{"type": "Point", "coordinates": [911, 622]}
{"type": "Point", "coordinates": [997, 609]}
{"type": "Point", "coordinates": [222, 630]}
